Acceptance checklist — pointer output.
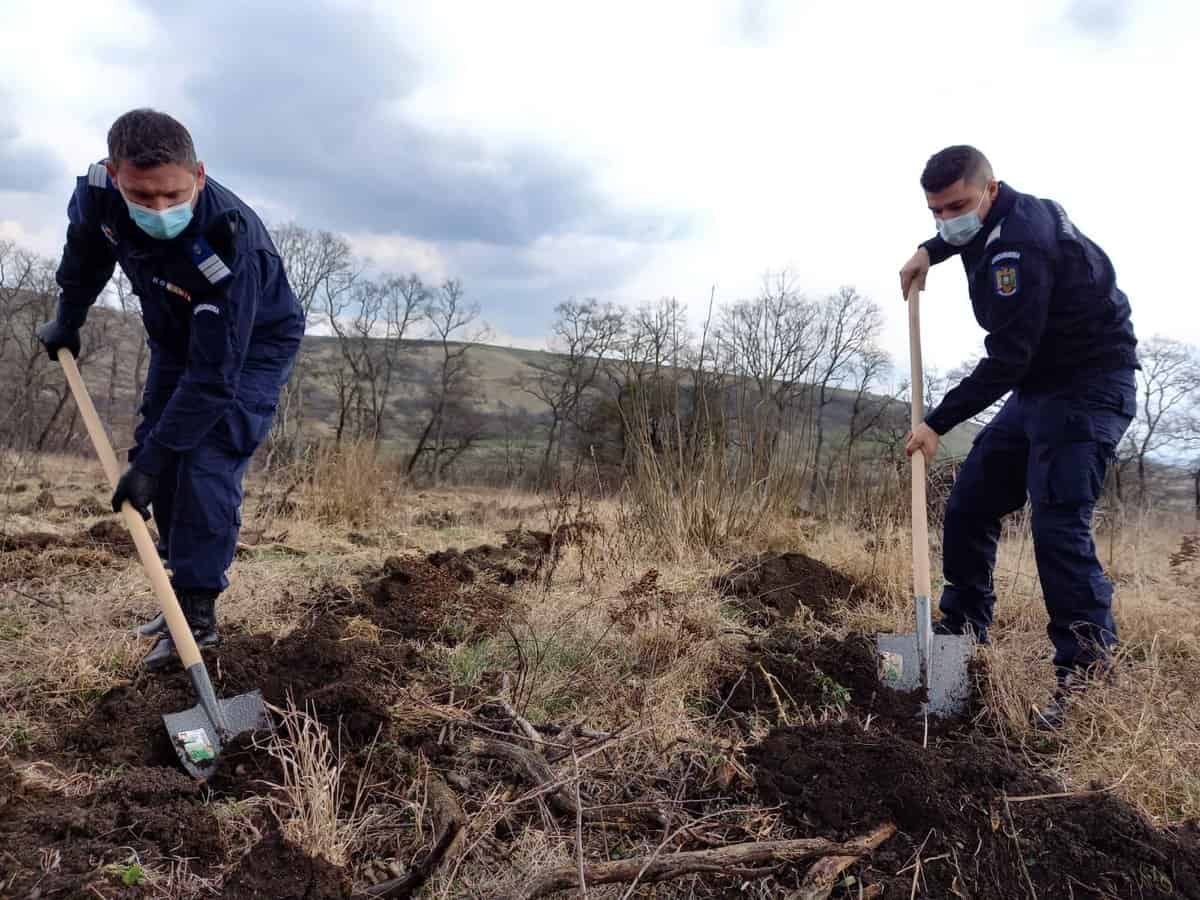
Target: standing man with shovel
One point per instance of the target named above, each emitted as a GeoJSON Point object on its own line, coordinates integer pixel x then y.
{"type": "Point", "coordinates": [224, 329]}
{"type": "Point", "coordinates": [1061, 341]}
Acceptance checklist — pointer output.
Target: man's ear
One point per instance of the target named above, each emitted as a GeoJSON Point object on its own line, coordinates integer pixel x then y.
{"type": "Point", "coordinates": [200, 177]}
{"type": "Point", "coordinates": [112, 170]}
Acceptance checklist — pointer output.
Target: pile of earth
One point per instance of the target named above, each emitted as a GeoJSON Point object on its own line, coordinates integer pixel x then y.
{"type": "Point", "coordinates": [344, 681]}
{"type": "Point", "coordinates": [29, 556]}
{"type": "Point", "coordinates": [57, 845]}
{"type": "Point", "coordinates": [772, 587]}
{"type": "Point", "coordinates": [967, 825]}
{"type": "Point", "coordinates": [346, 662]}
{"type": "Point", "coordinates": [809, 676]}
{"type": "Point", "coordinates": [426, 599]}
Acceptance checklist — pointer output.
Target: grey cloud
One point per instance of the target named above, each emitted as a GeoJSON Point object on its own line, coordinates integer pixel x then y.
{"type": "Point", "coordinates": [310, 107]}
{"type": "Point", "coordinates": [1101, 19]}
{"type": "Point", "coordinates": [23, 166]}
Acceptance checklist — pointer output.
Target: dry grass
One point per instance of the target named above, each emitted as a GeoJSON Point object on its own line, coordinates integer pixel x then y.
{"type": "Point", "coordinates": [576, 651]}
{"type": "Point", "coordinates": [312, 810]}
{"type": "Point", "coordinates": [349, 484]}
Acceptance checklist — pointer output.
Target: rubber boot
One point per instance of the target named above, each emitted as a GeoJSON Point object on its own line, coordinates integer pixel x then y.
{"type": "Point", "coordinates": [157, 625]}
{"type": "Point", "coordinates": [200, 610]}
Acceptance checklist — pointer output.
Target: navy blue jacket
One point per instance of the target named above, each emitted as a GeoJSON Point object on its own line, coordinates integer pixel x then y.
{"type": "Point", "coordinates": [215, 300]}
{"type": "Point", "coordinates": [1048, 298]}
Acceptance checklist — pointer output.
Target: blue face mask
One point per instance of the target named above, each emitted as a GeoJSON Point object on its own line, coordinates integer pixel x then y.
{"type": "Point", "coordinates": [162, 224]}
{"type": "Point", "coordinates": [961, 230]}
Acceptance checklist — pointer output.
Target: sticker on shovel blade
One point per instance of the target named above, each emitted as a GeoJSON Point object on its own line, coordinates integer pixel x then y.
{"type": "Point", "coordinates": [196, 745]}
{"type": "Point", "coordinates": [892, 665]}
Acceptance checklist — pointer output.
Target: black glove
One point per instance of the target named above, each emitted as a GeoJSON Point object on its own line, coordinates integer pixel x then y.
{"type": "Point", "coordinates": [138, 488]}
{"type": "Point", "coordinates": [57, 334]}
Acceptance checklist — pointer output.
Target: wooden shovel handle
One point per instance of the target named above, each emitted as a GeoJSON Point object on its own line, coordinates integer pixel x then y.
{"type": "Point", "coordinates": [920, 522]}
{"type": "Point", "coordinates": [189, 653]}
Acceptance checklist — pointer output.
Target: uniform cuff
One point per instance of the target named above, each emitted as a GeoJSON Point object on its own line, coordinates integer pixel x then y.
{"type": "Point", "coordinates": [939, 422]}
{"type": "Point", "coordinates": [151, 458]}
{"type": "Point", "coordinates": [939, 251]}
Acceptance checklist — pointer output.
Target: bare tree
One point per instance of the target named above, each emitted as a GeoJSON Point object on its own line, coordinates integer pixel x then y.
{"type": "Point", "coordinates": [850, 326]}
{"type": "Point", "coordinates": [1168, 383]}
{"type": "Point", "coordinates": [583, 335]}
{"type": "Point", "coordinates": [771, 343]}
{"type": "Point", "coordinates": [866, 373]}
{"type": "Point", "coordinates": [452, 422]}
{"type": "Point", "coordinates": [644, 377]}
{"type": "Point", "coordinates": [370, 321]}
{"type": "Point", "coordinates": [320, 268]}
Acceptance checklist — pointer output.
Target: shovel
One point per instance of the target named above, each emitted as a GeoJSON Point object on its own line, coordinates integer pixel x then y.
{"type": "Point", "coordinates": [197, 734]}
{"type": "Point", "coordinates": [937, 664]}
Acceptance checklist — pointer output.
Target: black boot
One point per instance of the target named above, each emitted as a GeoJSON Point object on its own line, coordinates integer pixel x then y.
{"type": "Point", "coordinates": [157, 625]}
{"type": "Point", "coordinates": [200, 610]}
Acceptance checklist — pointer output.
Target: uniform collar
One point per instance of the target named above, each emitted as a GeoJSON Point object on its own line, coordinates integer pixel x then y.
{"type": "Point", "coordinates": [1005, 198]}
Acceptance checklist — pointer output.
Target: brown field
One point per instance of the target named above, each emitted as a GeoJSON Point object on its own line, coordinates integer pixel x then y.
{"type": "Point", "coordinates": [493, 694]}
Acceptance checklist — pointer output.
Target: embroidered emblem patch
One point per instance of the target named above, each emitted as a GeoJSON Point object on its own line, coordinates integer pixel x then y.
{"type": "Point", "coordinates": [1006, 280]}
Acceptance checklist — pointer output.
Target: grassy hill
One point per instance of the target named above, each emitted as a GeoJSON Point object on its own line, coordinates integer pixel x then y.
{"type": "Point", "coordinates": [499, 368]}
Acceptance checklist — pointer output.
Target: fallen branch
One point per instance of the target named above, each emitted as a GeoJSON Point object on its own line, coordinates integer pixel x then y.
{"type": "Point", "coordinates": [532, 768]}
{"type": "Point", "coordinates": [450, 822]}
{"type": "Point", "coordinates": [529, 765]}
{"type": "Point", "coordinates": [818, 884]}
{"type": "Point", "coordinates": [754, 859]}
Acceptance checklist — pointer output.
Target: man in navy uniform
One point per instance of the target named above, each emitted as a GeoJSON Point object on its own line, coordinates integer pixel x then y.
{"type": "Point", "coordinates": [224, 329]}
{"type": "Point", "coordinates": [1059, 338]}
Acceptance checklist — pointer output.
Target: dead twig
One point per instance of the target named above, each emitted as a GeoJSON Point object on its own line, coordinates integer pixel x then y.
{"type": "Point", "coordinates": [450, 822]}
{"type": "Point", "coordinates": [770, 680]}
{"type": "Point", "coordinates": [749, 860]}
{"type": "Point", "coordinates": [819, 882]}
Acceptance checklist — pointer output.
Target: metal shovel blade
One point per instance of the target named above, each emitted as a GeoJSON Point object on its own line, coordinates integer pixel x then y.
{"type": "Point", "coordinates": [938, 664]}
{"type": "Point", "coordinates": [949, 675]}
{"type": "Point", "coordinates": [200, 733]}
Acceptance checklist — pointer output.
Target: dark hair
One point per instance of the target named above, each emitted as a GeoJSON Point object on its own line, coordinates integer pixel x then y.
{"type": "Point", "coordinates": [947, 166]}
{"type": "Point", "coordinates": [145, 138]}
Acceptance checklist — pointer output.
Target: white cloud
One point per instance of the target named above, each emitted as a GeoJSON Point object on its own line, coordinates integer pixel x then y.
{"type": "Point", "coordinates": [793, 134]}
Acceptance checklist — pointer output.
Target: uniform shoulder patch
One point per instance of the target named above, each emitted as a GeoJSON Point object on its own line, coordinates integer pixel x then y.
{"type": "Point", "coordinates": [1006, 278]}
{"type": "Point", "coordinates": [97, 176]}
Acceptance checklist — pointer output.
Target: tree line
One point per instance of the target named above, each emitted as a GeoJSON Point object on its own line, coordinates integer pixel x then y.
{"type": "Point", "coordinates": [778, 394]}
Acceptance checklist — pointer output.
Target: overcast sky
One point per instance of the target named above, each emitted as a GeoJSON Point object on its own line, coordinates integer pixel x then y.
{"type": "Point", "coordinates": [632, 150]}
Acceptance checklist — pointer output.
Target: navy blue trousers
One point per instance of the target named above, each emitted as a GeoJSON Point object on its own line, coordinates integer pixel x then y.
{"type": "Point", "coordinates": [1052, 445]}
{"type": "Point", "coordinates": [198, 505]}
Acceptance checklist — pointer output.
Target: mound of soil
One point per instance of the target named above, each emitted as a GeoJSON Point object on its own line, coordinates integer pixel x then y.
{"type": "Point", "coordinates": [813, 675]}
{"type": "Point", "coordinates": [948, 801]}
{"type": "Point", "coordinates": [278, 870]}
{"type": "Point", "coordinates": [62, 845]}
{"type": "Point", "coordinates": [343, 681]}
{"type": "Point", "coordinates": [419, 600]}
{"type": "Point", "coordinates": [32, 540]}
{"type": "Point", "coordinates": [109, 533]}
{"type": "Point", "coordinates": [771, 587]}
{"type": "Point", "coordinates": [504, 565]}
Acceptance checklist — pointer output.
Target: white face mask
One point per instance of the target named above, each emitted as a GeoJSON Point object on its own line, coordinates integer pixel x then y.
{"type": "Point", "coordinates": [162, 224]}
{"type": "Point", "coordinates": [961, 230]}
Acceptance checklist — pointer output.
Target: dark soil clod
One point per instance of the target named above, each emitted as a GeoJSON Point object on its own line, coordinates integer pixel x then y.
{"type": "Point", "coordinates": [772, 587]}
{"type": "Point", "coordinates": [839, 779]}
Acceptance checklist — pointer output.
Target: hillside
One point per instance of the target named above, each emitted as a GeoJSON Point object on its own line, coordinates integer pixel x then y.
{"type": "Point", "coordinates": [499, 368]}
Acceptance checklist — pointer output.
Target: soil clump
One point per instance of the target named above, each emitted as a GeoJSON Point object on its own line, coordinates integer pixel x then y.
{"type": "Point", "coordinates": [772, 587]}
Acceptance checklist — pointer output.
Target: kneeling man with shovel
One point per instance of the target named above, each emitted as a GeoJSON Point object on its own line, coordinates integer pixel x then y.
{"type": "Point", "coordinates": [224, 329]}
{"type": "Point", "coordinates": [1060, 339]}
